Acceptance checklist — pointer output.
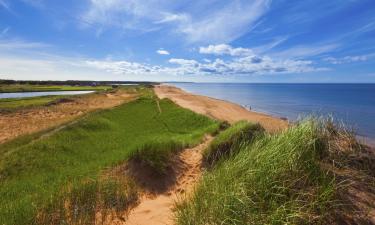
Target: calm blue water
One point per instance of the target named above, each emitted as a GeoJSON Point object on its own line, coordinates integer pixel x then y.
{"type": "Point", "coordinates": [353, 104]}
{"type": "Point", "coordinates": [41, 93]}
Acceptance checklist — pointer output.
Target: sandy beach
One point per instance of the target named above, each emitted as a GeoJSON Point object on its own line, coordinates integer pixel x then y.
{"type": "Point", "coordinates": [218, 109]}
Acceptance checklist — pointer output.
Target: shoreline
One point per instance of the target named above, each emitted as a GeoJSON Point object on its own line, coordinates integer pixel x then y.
{"type": "Point", "coordinates": [194, 102]}
{"type": "Point", "coordinates": [218, 108]}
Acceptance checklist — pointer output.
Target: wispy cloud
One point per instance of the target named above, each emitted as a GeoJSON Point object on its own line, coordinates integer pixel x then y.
{"type": "Point", "coordinates": [217, 25]}
{"type": "Point", "coordinates": [4, 4]}
{"type": "Point", "coordinates": [162, 52]}
{"type": "Point", "coordinates": [303, 51]}
{"type": "Point", "coordinates": [348, 59]}
{"type": "Point", "coordinates": [4, 32]}
{"type": "Point", "coordinates": [14, 44]}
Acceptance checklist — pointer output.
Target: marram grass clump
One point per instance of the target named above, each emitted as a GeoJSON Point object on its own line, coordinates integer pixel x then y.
{"type": "Point", "coordinates": [90, 202]}
{"type": "Point", "coordinates": [229, 141]}
{"type": "Point", "coordinates": [275, 180]}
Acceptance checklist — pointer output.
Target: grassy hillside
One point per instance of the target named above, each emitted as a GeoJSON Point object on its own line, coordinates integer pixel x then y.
{"type": "Point", "coordinates": [276, 179]}
{"type": "Point", "coordinates": [48, 177]}
{"type": "Point", "coordinates": [7, 88]}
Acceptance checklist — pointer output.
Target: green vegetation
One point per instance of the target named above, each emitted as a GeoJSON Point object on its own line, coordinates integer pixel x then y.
{"type": "Point", "coordinates": [8, 88]}
{"type": "Point", "coordinates": [230, 141]}
{"type": "Point", "coordinates": [277, 179]}
{"type": "Point", "coordinates": [58, 178]}
{"type": "Point", "coordinates": [10, 104]}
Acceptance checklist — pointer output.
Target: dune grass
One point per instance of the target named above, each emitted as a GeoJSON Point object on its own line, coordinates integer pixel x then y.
{"type": "Point", "coordinates": [39, 171]}
{"type": "Point", "coordinates": [275, 180]}
{"type": "Point", "coordinates": [8, 88]}
{"type": "Point", "coordinates": [229, 141]}
{"type": "Point", "coordinates": [11, 104]}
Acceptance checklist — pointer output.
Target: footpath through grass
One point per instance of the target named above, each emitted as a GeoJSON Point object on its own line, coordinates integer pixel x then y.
{"type": "Point", "coordinates": [8, 88]}
{"type": "Point", "coordinates": [57, 178]}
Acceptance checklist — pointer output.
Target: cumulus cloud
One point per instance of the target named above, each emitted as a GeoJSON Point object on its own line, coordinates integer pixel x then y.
{"type": "Point", "coordinates": [162, 52]}
{"type": "Point", "coordinates": [346, 59]}
{"type": "Point", "coordinates": [237, 66]}
{"type": "Point", "coordinates": [224, 49]}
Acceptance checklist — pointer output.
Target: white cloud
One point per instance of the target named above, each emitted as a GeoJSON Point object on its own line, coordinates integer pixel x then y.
{"type": "Point", "coordinates": [347, 59]}
{"type": "Point", "coordinates": [224, 49]}
{"type": "Point", "coordinates": [219, 24]}
{"type": "Point", "coordinates": [162, 52]}
{"type": "Point", "coordinates": [225, 24]}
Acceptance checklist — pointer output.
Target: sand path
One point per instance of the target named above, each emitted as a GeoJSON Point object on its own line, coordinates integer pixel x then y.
{"type": "Point", "coordinates": [27, 121]}
{"type": "Point", "coordinates": [218, 109]}
{"type": "Point", "coordinates": [158, 209]}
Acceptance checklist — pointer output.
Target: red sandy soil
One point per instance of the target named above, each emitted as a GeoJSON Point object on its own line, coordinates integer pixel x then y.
{"type": "Point", "coordinates": [27, 121]}
{"type": "Point", "coordinates": [218, 109]}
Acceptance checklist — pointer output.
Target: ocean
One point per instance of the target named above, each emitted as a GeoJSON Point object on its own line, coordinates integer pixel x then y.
{"type": "Point", "coordinates": [352, 104]}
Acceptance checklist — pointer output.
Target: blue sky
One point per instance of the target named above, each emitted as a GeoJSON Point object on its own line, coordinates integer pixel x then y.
{"type": "Point", "coordinates": [181, 40]}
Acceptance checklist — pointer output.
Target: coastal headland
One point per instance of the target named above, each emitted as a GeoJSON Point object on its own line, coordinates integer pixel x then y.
{"type": "Point", "coordinates": [145, 154]}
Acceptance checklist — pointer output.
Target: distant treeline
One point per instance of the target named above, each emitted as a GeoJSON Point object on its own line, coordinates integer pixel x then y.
{"type": "Point", "coordinates": [74, 82]}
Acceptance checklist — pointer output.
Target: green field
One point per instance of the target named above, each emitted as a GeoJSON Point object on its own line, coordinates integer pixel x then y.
{"type": "Point", "coordinates": [39, 170]}
{"type": "Point", "coordinates": [8, 88]}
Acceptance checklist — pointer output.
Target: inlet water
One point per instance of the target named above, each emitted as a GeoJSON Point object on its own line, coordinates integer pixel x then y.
{"type": "Point", "coordinates": [38, 94]}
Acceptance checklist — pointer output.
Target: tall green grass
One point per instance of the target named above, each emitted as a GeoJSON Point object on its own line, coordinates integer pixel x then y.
{"type": "Point", "coordinates": [38, 169]}
{"type": "Point", "coordinates": [229, 141]}
{"type": "Point", "coordinates": [275, 180]}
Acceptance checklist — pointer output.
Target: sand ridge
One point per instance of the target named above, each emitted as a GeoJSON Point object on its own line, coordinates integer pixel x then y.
{"type": "Point", "coordinates": [218, 109]}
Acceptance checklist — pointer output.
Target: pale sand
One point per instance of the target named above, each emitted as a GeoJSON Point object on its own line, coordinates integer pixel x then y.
{"type": "Point", "coordinates": [218, 109]}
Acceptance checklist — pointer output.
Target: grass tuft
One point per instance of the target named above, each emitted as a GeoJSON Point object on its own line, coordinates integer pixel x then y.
{"type": "Point", "coordinates": [229, 141]}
